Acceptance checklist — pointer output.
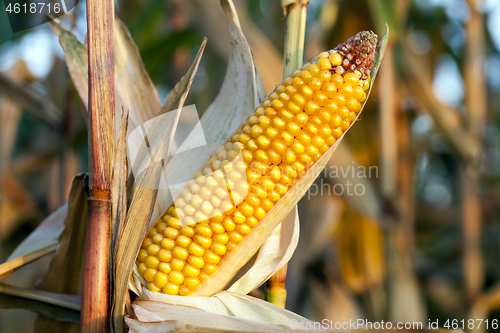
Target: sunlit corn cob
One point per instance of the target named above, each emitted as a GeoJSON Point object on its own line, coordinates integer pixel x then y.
{"type": "Point", "coordinates": [255, 168]}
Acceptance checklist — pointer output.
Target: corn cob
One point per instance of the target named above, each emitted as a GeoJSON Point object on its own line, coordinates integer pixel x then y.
{"type": "Point", "coordinates": [292, 128]}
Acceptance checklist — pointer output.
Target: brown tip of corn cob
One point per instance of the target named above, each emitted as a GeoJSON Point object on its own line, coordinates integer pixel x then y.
{"type": "Point", "coordinates": [358, 54]}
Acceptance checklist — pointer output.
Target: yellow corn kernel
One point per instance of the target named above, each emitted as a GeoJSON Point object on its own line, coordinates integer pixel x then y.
{"type": "Point", "coordinates": [143, 254]}
{"type": "Point", "coordinates": [164, 267]}
{"type": "Point", "coordinates": [180, 253]}
{"type": "Point", "coordinates": [149, 274]}
{"type": "Point", "coordinates": [209, 269]}
{"type": "Point", "coordinates": [190, 270]}
{"type": "Point", "coordinates": [152, 287]}
{"type": "Point", "coordinates": [205, 242]}
{"type": "Point", "coordinates": [171, 233]}
{"type": "Point", "coordinates": [184, 291]}
{"type": "Point", "coordinates": [152, 262]}
{"type": "Point", "coordinates": [176, 277]}
{"type": "Point", "coordinates": [171, 289]}
{"type": "Point", "coordinates": [191, 282]}
{"type": "Point", "coordinates": [146, 242]}
{"type": "Point", "coordinates": [196, 261]}
{"type": "Point", "coordinates": [142, 268]}
{"type": "Point", "coordinates": [161, 279]}
{"type": "Point", "coordinates": [222, 238]}
{"type": "Point", "coordinates": [165, 255]}
{"type": "Point", "coordinates": [177, 264]}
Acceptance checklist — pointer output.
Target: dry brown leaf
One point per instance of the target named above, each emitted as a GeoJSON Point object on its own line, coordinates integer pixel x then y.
{"type": "Point", "coordinates": [63, 300]}
{"type": "Point", "coordinates": [134, 89]}
{"type": "Point", "coordinates": [133, 84]}
{"type": "Point", "coordinates": [65, 270]}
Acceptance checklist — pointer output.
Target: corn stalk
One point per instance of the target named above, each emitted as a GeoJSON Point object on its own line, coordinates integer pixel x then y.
{"type": "Point", "coordinates": [100, 18]}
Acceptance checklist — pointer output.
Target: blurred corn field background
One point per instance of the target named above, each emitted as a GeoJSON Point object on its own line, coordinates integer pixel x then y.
{"type": "Point", "coordinates": [404, 223]}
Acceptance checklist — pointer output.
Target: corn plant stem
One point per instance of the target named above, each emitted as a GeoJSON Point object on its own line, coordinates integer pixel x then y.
{"type": "Point", "coordinates": [476, 107]}
{"type": "Point", "coordinates": [295, 30]}
{"type": "Point", "coordinates": [95, 289]}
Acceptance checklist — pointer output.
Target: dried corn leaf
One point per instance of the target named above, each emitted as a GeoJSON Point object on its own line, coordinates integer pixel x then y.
{"type": "Point", "coordinates": [118, 187]}
{"type": "Point", "coordinates": [76, 57]}
{"type": "Point", "coordinates": [132, 82]}
{"type": "Point", "coordinates": [63, 300]}
{"type": "Point", "coordinates": [64, 272]}
{"type": "Point", "coordinates": [252, 308]}
{"type": "Point", "coordinates": [65, 269]}
{"type": "Point", "coordinates": [134, 88]}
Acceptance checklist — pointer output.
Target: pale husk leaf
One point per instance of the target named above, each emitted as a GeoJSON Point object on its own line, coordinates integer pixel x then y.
{"type": "Point", "coordinates": [252, 308]}
{"type": "Point", "coordinates": [237, 305]}
{"type": "Point", "coordinates": [178, 316]}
